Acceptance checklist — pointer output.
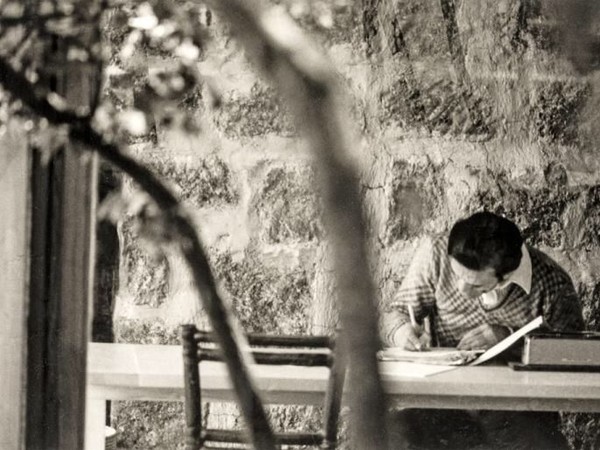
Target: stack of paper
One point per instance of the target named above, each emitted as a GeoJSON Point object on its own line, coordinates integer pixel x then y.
{"type": "Point", "coordinates": [435, 355]}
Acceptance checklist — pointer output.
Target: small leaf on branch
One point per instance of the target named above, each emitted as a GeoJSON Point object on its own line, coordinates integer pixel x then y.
{"type": "Point", "coordinates": [103, 118]}
{"type": "Point", "coordinates": [325, 19]}
{"type": "Point", "coordinates": [56, 101]}
{"type": "Point", "coordinates": [145, 19]}
{"type": "Point", "coordinates": [134, 122]}
{"type": "Point", "coordinates": [187, 51]}
{"type": "Point", "coordinates": [163, 30]}
{"type": "Point", "coordinates": [31, 75]}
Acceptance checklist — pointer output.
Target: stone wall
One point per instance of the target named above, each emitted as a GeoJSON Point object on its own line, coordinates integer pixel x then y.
{"type": "Point", "coordinates": [456, 106]}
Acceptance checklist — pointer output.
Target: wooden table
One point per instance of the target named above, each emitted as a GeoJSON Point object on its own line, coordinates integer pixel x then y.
{"type": "Point", "coordinates": [155, 372]}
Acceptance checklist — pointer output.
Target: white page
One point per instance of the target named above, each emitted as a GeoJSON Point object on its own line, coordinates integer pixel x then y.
{"type": "Point", "coordinates": [445, 356]}
{"type": "Point", "coordinates": [510, 340]}
{"type": "Point", "coordinates": [411, 370]}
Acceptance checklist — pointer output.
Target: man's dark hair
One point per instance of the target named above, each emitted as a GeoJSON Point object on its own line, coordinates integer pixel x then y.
{"type": "Point", "coordinates": [485, 240]}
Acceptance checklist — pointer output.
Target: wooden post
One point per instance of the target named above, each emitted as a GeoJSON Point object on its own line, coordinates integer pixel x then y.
{"type": "Point", "coordinates": [62, 254]}
{"type": "Point", "coordinates": [14, 260]}
{"type": "Point", "coordinates": [61, 247]}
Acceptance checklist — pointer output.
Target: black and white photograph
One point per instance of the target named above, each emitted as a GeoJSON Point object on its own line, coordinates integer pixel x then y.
{"type": "Point", "coordinates": [300, 224]}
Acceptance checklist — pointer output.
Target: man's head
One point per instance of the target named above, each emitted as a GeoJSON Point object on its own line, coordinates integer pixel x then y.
{"type": "Point", "coordinates": [484, 248]}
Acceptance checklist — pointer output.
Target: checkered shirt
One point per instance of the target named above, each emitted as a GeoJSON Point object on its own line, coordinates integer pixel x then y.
{"type": "Point", "coordinates": [430, 286]}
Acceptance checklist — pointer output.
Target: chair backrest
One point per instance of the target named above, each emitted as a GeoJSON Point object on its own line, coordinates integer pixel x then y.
{"type": "Point", "coordinates": [290, 350]}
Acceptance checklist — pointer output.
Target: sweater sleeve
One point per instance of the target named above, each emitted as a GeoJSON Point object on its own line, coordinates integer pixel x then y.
{"type": "Point", "coordinates": [417, 289]}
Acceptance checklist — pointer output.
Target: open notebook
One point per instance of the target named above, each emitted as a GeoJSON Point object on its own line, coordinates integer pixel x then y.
{"type": "Point", "coordinates": [455, 357]}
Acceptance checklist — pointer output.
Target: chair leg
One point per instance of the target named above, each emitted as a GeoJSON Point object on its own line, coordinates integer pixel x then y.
{"type": "Point", "coordinates": [333, 401]}
{"type": "Point", "coordinates": [193, 402]}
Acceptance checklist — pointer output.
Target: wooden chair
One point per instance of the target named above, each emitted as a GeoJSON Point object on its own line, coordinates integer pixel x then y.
{"type": "Point", "coordinates": [199, 346]}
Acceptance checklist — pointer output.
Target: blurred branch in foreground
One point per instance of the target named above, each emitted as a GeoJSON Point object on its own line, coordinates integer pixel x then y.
{"type": "Point", "coordinates": [307, 80]}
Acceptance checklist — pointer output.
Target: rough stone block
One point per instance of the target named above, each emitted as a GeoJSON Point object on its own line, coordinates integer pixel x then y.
{"type": "Point", "coordinates": [265, 299]}
{"type": "Point", "coordinates": [412, 29]}
{"type": "Point", "coordinates": [416, 197]}
{"type": "Point", "coordinates": [139, 331]}
{"type": "Point", "coordinates": [146, 275]}
{"type": "Point", "coordinates": [402, 103]}
{"type": "Point", "coordinates": [161, 425]}
{"type": "Point", "coordinates": [555, 108]}
{"type": "Point", "coordinates": [496, 34]}
{"type": "Point", "coordinates": [440, 105]}
{"type": "Point", "coordinates": [543, 34]}
{"type": "Point", "coordinates": [149, 425]}
{"type": "Point", "coordinates": [284, 208]}
{"type": "Point", "coordinates": [590, 299]}
{"type": "Point", "coordinates": [208, 181]}
{"type": "Point", "coordinates": [423, 28]}
{"type": "Point", "coordinates": [256, 114]}
{"type": "Point", "coordinates": [591, 219]}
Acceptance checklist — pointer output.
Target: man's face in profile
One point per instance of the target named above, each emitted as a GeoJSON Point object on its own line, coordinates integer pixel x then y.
{"type": "Point", "coordinates": [473, 283]}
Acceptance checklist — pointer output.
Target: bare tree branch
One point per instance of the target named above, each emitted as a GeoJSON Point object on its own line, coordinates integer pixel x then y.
{"type": "Point", "coordinates": [186, 238]}
{"type": "Point", "coordinates": [308, 81]}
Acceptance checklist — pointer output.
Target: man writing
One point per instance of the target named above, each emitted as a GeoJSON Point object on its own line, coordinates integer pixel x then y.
{"type": "Point", "coordinates": [477, 285]}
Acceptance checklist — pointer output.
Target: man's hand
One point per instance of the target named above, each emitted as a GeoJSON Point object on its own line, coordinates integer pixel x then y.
{"type": "Point", "coordinates": [483, 337]}
{"type": "Point", "coordinates": [412, 338]}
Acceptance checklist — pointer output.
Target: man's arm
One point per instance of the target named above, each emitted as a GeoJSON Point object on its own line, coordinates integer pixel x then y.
{"type": "Point", "coordinates": [418, 290]}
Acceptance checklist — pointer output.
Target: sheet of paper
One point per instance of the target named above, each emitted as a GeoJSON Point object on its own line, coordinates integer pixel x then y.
{"type": "Point", "coordinates": [436, 355]}
{"type": "Point", "coordinates": [411, 370]}
{"type": "Point", "coordinates": [510, 340]}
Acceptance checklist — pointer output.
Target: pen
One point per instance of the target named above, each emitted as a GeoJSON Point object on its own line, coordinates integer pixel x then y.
{"type": "Point", "coordinates": [413, 322]}
{"type": "Point", "coordinates": [413, 319]}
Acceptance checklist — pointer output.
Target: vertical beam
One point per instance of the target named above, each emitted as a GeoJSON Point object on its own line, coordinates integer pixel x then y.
{"type": "Point", "coordinates": [14, 260]}
{"type": "Point", "coordinates": [62, 248]}
{"type": "Point", "coordinates": [38, 294]}
{"type": "Point", "coordinates": [63, 198]}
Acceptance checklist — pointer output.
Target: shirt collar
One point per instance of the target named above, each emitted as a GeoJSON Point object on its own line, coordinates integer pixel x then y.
{"type": "Point", "coordinates": [522, 275]}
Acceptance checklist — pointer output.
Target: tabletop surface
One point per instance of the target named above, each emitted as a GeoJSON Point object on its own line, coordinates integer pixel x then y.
{"type": "Point", "coordinates": [150, 368]}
